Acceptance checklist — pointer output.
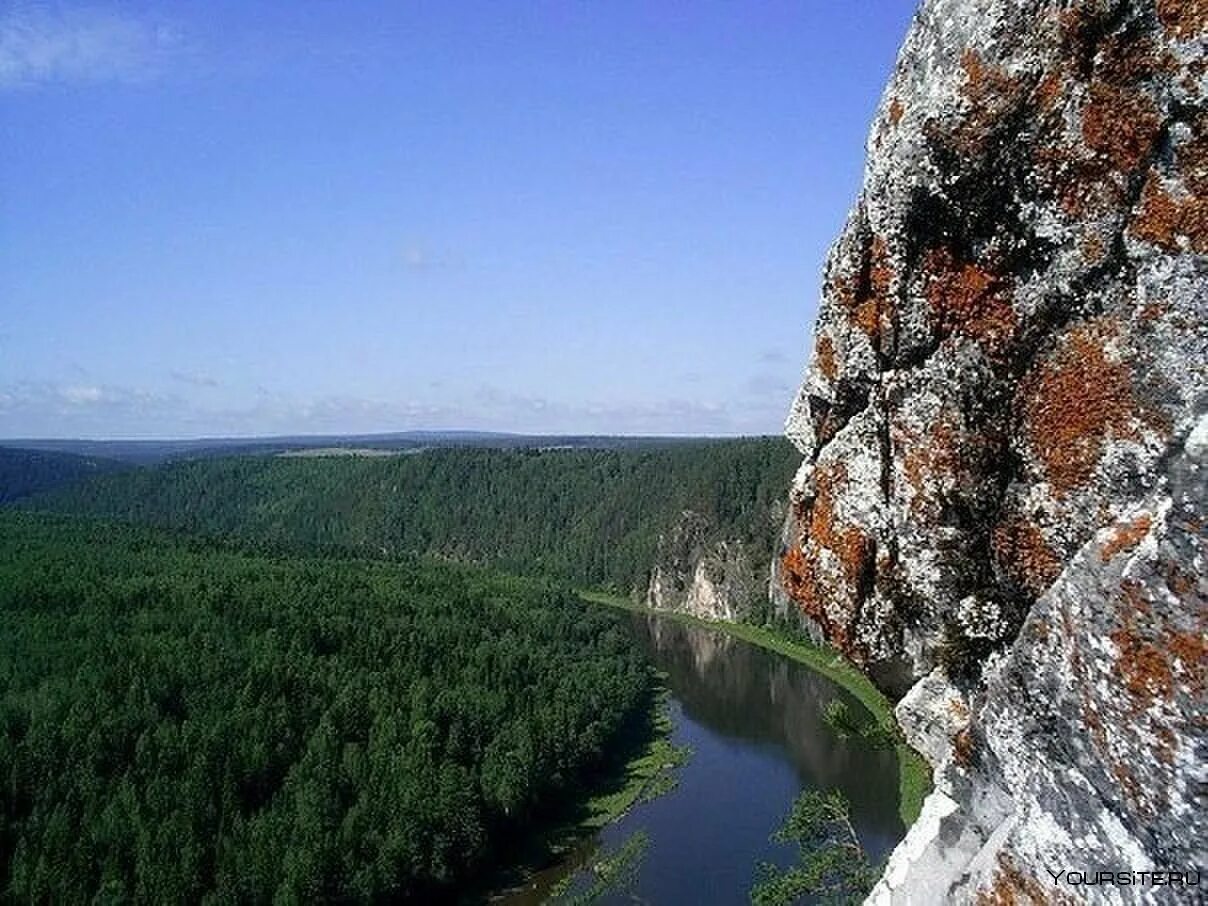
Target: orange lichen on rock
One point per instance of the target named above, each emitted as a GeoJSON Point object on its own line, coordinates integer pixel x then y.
{"type": "Point", "coordinates": [1108, 73]}
{"type": "Point", "coordinates": [962, 747]}
{"type": "Point", "coordinates": [981, 78]}
{"type": "Point", "coordinates": [1011, 887]}
{"type": "Point", "coordinates": [1128, 783]}
{"type": "Point", "coordinates": [1162, 219]}
{"type": "Point", "coordinates": [1079, 24]}
{"type": "Point", "coordinates": [1155, 662]}
{"type": "Point", "coordinates": [864, 294]}
{"type": "Point", "coordinates": [880, 274]}
{"type": "Point", "coordinates": [869, 299]}
{"type": "Point", "coordinates": [1126, 59]}
{"type": "Point", "coordinates": [1119, 124]}
{"type": "Point", "coordinates": [845, 541]}
{"type": "Point", "coordinates": [799, 579]}
{"type": "Point", "coordinates": [1166, 743]}
{"type": "Point", "coordinates": [1191, 651]}
{"type": "Point", "coordinates": [796, 575]}
{"type": "Point", "coordinates": [868, 316]}
{"type": "Point", "coordinates": [1092, 247]}
{"type": "Point", "coordinates": [1025, 556]}
{"type": "Point", "coordinates": [968, 299]}
{"type": "Point", "coordinates": [1142, 666]}
{"type": "Point", "coordinates": [1152, 311]}
{"type": "Point", "coordinates": [1082, 187]}
{"type": "Point", "coordinates": [1048, 91]}
{"type": "Point", "coordinates": [1184, 18]}
{"type": "Point", "coordinates": [821, 592]}
{"type": "Point", "coordinates": [925, 459]}
{"type": "Point", "coordinates": [1134, 596]}
{"type": "Point", "coordinates": [1126, 537]}
{"type": "Point", "coordinates": [824, 357]}
{"type": "Point", "coordinates": [1076, 403]}
{"type": "Point", "coordinates": [992, 95]}
{"type": "Point", "coordinates": [1180, 583]}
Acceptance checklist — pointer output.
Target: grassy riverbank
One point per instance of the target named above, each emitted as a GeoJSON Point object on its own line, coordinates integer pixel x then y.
{"type": "Point", "coordinates": [914, 775]}
{"type": "Point", "coordinates": [648, 773]}
{"type": "Point", "coordinates": [645, 766]}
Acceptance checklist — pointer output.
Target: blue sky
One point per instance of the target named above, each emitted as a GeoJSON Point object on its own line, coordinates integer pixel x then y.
{"type": "Point", "coordinates": [257, 218]}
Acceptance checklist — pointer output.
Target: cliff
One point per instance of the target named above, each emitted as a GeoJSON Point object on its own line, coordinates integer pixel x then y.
{"type": "Point", "coordinates": [1000, 512]}
{"type": "Point", "coordinates": [699, 573]}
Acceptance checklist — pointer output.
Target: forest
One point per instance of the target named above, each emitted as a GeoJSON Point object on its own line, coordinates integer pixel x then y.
{"type": "Point", "coordinates": [591, 517]}
{"type": "Point", "coordinates": [181, 722]}
{"type": "Point", "coordinates": [26, 472]}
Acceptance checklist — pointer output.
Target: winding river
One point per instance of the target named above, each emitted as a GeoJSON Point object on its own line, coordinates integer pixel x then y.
{"type": "Point", "coordinates": [753, 720]}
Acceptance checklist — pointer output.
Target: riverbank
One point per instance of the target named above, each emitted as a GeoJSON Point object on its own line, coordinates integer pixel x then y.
{"type": "Point", "coordinates": [645, 768]}
{"type": "Point", "coordinates": [647, 773]}
{"type": "Point", "coordinates": [914, 774]}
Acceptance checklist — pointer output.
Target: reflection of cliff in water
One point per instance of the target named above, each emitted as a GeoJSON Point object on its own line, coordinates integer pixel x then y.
{"type": "Point", "coordinates": [745, 692]}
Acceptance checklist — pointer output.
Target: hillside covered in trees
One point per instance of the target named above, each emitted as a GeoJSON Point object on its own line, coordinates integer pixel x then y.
{"type": "Point", "coordinates": [179, 722]}
{"type": "Point", "coordinates": [592, 517]}
{"type": "Point", "coordinates": [26, 472]}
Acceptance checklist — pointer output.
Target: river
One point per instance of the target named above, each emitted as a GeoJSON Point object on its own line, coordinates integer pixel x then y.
{"type": "Point", "coordinates": [753, 720]}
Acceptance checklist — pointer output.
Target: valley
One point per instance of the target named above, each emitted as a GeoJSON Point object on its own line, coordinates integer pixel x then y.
{"type": "Point", "coordinates": [382, 593]}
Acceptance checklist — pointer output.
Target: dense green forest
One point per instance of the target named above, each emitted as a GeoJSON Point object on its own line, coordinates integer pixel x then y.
{"type": "Point", "coordinates": [591, 517]}
{"type": "Point", "coordinates": [184, 723]}
{"type": "Point", "coordinates": [25, 472]}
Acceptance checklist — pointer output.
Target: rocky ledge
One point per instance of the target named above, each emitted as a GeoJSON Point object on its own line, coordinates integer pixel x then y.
{"type": "Point", "coordinates": [1000, 512]}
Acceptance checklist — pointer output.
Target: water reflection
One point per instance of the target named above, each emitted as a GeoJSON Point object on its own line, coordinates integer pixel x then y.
{"type": "Point", "coordinates": [754, 722]}
{"type": "Point", "coordinates": [749, 693]}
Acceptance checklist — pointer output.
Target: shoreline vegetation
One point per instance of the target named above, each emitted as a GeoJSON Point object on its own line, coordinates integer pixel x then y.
{"type": "Point", "coordinates": [914, 775]}
{"type": "Point", "coordinates": [644, 770]}
{"type": "Point", "coordinates": [647, 774]}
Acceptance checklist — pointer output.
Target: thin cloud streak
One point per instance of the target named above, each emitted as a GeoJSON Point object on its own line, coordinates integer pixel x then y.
{"type": "Point", "coordinates": [42, 44]}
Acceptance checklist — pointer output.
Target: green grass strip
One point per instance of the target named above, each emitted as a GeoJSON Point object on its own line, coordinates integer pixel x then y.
{"type": "Point", "coordinates": [649, 774]}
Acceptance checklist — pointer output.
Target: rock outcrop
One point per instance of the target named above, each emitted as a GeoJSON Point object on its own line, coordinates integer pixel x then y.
{"type": "Point", "coordinates": [1004, 430]}
{"type": "Point", "coordinates": [698, 574]}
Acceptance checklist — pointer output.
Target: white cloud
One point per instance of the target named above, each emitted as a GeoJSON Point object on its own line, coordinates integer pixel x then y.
{"type": "Point", "coordinates": [43, 408]}
{"type": "Point", "coordinates": [82, 395]}
{"type": "Point", "coordinates": [42, 44]}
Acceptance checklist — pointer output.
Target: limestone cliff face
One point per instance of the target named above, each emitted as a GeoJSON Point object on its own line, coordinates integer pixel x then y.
{"type": "Point", "coordinates": [697, 574]}
{"type": "Point", "coordinates": [1001, 504]}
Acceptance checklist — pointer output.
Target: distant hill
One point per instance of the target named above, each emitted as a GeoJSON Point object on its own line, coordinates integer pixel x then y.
{"type": "Point", "coordinates": [146, 452]}
{"type": "Point", "coordinates": [26, 472]}
{"type": "Point", "coordinates": [590, 516]}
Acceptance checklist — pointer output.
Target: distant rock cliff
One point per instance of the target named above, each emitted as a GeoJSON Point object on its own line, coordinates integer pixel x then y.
{"type": "Point", "coordinates": [697, 573]}
{"type": "Point", "coordinates": [1002, 503]}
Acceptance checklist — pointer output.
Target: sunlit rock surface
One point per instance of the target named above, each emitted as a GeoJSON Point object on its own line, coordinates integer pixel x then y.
{"type": "Point", "coordinates": [695, 574]}
{"type": "Point", "coordinates": [1002, 423]}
